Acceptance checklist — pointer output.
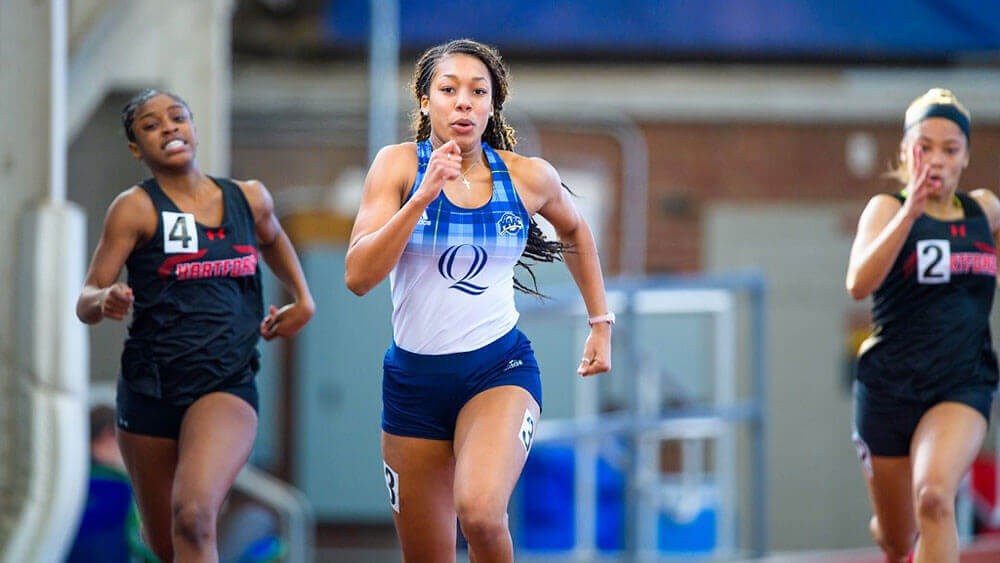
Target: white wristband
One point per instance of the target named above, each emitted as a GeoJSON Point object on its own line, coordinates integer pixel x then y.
{"type": "Point", "coordinates": [607, 318]}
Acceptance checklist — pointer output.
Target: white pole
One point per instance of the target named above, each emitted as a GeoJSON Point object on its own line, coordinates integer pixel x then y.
{"type": "Point", "coordinates": [57, 100]}
{"type": "Point", "coordinates": [383, 70]}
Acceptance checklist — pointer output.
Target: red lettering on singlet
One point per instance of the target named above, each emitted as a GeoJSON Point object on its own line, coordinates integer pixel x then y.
{"type": "Point", "coordinates": [241, 266]}
{"type": "Point", "coordinates": [974, 263]}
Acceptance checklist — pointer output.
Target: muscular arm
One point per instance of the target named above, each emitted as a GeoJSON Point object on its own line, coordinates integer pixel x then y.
{"type": "Point", "coordinates": [545, 193]}
{"type": "Point", "coordinates": [882, 230]}
{"type": "Point", "coordinates": [384, 223]}
{"type": "Point", "coordinates": [131, 219]}
{"type": "Point", "coordinates": [279, 254]}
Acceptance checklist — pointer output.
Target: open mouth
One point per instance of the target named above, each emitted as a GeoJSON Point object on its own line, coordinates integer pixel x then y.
{"type": "Point", "coordinates": [174, 145]}
{"type": "Point", "coordinates": [462, 125]}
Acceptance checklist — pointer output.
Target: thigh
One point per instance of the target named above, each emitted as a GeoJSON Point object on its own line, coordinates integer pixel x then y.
{"type": "Point", "coordinates": [151, 463]}
{"type": "Point", "coordinates": [493, 435]}
{"type": "Point", "coordinates": [419, 473]}
{"type": "Point", "coordinates": [945, 443]}
{"type": "Point", "coordinates": [217, 435]}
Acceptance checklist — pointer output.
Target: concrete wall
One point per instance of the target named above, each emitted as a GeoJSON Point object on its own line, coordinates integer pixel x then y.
{"type": "Point", "coordinates": [24, 182]}
{"type": "Point", "coordinates": [114, 44]}
{"type": "Point", "coordinates": [183, 46]}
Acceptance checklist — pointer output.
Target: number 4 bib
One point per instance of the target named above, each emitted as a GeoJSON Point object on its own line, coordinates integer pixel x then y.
{"type": "Point", "coordinates": [180, 235]}
{"type": "Point", "coordinates": [933, 261]}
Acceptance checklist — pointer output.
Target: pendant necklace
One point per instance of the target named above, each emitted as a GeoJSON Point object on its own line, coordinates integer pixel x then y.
{"type": "Point", "coordinates": [465, 180]}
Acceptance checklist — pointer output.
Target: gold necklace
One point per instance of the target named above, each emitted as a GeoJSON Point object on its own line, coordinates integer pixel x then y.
{"type": "Point", "coordinates": [955, 202]}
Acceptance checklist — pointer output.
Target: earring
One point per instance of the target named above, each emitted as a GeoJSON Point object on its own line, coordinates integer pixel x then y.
{"type": "Point", "coordinates": [425, 112]}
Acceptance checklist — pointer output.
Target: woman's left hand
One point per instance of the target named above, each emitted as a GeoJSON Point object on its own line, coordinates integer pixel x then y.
{"type": "Point", "coordinates": [596, 351]}
{"type": "Point", "coordinates": [285, 321]}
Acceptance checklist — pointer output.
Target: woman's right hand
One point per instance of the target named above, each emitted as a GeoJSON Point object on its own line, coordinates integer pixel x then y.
{"type": "Point", "coordinates": [445, 165]}
{"type": "Point", "coordinates": [116, 301]}
{"type": "Point", "coordinates": [918, 189]}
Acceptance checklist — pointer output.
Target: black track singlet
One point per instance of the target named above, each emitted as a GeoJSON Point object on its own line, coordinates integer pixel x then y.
{"type": "Point", "coordinates": [931, 314]}
{"type": "Point", "coordinates": [198, 302]}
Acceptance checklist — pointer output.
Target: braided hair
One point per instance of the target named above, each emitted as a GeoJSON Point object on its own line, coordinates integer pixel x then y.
{"type": "Point", "coordinates": [499, 135]}
{"type": "Point", "coordinates": [139, 100]}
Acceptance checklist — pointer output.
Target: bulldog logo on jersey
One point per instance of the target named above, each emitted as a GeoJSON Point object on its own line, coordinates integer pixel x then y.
{"type": "Point", "coordinates": [462, 275]}
{"type": "Point", "coordinates": [509, 224]}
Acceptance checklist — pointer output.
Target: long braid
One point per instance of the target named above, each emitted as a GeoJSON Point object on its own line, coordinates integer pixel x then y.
{"type": "Point", "coordinates": [423, 127]}
{"type": "Point", "coordinates": [498, 135]}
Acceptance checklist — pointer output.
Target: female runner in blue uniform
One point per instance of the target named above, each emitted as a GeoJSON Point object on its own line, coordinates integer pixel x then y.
{"type": "Point", "coordinates": [926, 376]}
{"type": "Point", "coordinates": [447, 218]}
{"type": "Point", "coordinates": [187, 401]}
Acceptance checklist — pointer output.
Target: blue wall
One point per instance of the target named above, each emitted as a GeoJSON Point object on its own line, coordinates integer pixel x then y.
{"type": "Point", "coordinates": [818, 28]}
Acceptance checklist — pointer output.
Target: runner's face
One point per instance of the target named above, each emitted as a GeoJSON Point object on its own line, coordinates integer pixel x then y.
{"type": "Point", "coordinates": [165, 136]}
{"type": "Point", "coordinates": [945, 151]}
{"type": "Point", "coordinates": [459, 102]}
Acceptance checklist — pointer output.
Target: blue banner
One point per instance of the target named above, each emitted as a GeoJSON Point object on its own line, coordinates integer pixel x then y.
{"type": "Point", "coordinates": [728, 28]}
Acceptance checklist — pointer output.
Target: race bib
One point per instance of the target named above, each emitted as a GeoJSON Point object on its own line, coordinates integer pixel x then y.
{"type": "Point", "coordinates": [180, 234]}
{"type": "Point", "coordinates": [933, 261]}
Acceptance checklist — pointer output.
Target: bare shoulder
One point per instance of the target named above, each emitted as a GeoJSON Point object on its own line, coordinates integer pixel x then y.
{"type": "Point", "coordinates": [133, 203]}
{"type": "Point", "coordinates": [252, 188]}
{"type": "Point", "coordinates": [257, 196]}
{"type": "Point", "coordinates": [398, 159]}
{"type": "Point", "coordinates": [532, 173]}
{"type": "Point", "coordinates": [881, 204]}
{"type": "Point", "coordinates": [986, 199]}
{"type": "Point", "coordinates": [405, 151]}
{"type": "Point", "coordinates": [990, 204]}
{"type": "Point", "coordinates": [879, 211]}
{"type": "Point", "coordinates": [393, 170]}
{"type": "Point", "coordinates": [131, 213]}
{"type": "Point", "coordinates": [885, 200]}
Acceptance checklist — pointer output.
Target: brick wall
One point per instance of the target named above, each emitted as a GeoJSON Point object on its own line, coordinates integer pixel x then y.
{"type": "Point", "coordinates": [695, 164]}
{"type": "Point", "coordinates": [691, 166]}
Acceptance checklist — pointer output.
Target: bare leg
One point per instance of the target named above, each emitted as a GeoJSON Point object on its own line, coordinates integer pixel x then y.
{"type": "Point", "coordinates": [425, 522]}
{"type": "Point", "coordinates": [894, 526]}
{"type": "Point", "coordinates": [217, 435]}
{"type": "Point", "coordinates": [946, 441]}
{"type": "Point", "coordinates": [489, 457]}
{"type": "Point", "coordinates": [151, 463]}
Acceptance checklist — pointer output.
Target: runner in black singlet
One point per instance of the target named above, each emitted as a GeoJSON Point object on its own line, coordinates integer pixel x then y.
{"type": "Point", "coordinates": [187, 401]}
{"type": "Point", "coordinates": [926, 376]}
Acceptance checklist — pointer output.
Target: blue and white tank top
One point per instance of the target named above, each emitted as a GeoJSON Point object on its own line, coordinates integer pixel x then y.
{"type": "Point", "coordinates": [453, 287]}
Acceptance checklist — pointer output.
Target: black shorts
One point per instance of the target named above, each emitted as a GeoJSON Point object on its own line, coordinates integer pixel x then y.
{"type": "Point", "coordinates": [884, 425]}
{"type": "Point", "coordinates": [142, 414]}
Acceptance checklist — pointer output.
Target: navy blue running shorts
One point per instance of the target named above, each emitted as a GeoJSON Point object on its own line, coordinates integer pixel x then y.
{"type": "Point", "coordinates": [422, 394]}
{"type": "Point", "coordinates": [884, 425]}
{"type": "Point", "coordinates": [149, 416]}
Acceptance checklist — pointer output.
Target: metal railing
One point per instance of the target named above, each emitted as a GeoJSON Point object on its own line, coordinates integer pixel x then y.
{"type": "Point", "coordinates": [293, 509]}
{"type": "Point", "coordinates": [645, 423]}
